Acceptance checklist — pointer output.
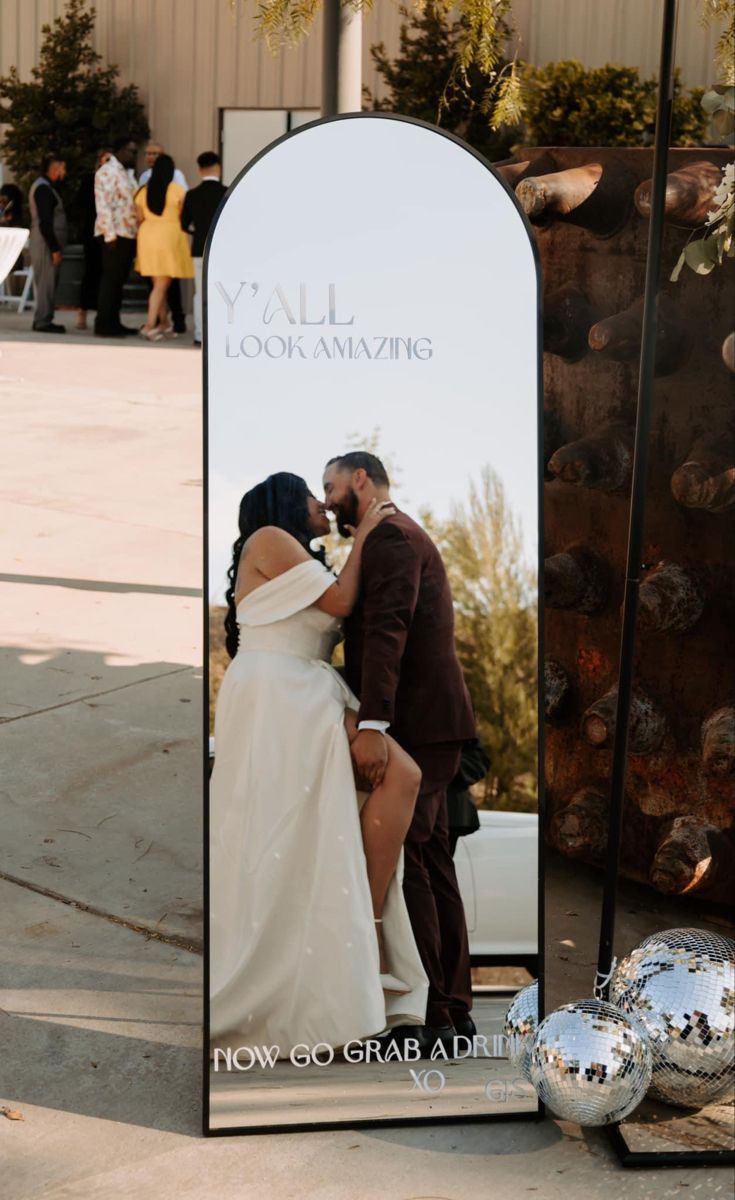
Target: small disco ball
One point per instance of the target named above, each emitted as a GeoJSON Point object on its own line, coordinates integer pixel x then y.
{"type": "Point", "coordinates": [680, 986]}
{"type": "Point", "coordinates": [521, 1023]}
{"type": "Point", "coordinates": [590, 1062]}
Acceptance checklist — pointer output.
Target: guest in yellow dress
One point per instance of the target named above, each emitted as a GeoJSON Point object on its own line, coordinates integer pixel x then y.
{"type": "Point", "coordinates": [163, 247]}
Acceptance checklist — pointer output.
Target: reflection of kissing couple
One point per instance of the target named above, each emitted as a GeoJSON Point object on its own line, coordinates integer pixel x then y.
{"type": "Point", "coordinates": [334, 906]}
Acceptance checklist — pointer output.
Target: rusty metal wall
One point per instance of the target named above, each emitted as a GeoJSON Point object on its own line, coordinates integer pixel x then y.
{"type": "Point", "coordinates": [680, 805]}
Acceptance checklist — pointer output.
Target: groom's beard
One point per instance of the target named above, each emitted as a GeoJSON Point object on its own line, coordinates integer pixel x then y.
{"type": "Point", "coordinates": [347, 514]}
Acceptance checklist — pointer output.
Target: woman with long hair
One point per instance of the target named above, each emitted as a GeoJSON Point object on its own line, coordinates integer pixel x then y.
{"type": "Point", "coordinates": [310, 937]}
{"type": "Point", "coordinates": [163, 248]}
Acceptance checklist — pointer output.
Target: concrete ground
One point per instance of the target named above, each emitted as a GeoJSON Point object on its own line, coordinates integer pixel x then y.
{"type": "Point", "coordinates": [100, 865]}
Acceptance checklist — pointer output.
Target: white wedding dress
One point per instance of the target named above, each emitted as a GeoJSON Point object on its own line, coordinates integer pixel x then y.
{"type": "Point", "coordinates": [293, 951]}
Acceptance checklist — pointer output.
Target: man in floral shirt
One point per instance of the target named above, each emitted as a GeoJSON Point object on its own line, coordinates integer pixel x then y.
{"type": "Point", "coordinates": [117, 224]}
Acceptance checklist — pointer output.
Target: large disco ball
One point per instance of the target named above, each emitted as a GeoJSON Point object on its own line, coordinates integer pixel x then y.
{"type": "Point", "coordinates": [590, 1062]}
{"type": "Point", "coordinates": [680, 985]}
{"type": "Point", "coordinates": [521, 1023]}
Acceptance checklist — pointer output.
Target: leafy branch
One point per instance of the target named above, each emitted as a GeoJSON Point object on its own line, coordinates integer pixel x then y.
{"type": "Point", "coordinates": [486, 26]}
{"type": "Point", "coordinates": [703, 254]}
{"type": "Point", "coordinates": [714, 10]}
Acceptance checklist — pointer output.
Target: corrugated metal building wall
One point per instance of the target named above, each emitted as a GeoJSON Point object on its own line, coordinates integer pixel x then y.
{"type": "Point", "coordinates": [615, 31]}
{"type": "Point", "coordinates": [191, 58]}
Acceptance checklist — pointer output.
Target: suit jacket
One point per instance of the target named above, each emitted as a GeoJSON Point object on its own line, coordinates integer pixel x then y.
{"type": "Point", "coordinates": [400, 657]}
{"type": "Point", "coordinates": [462, 812]}
{"type": "Point", "coordinates": [197, 213]}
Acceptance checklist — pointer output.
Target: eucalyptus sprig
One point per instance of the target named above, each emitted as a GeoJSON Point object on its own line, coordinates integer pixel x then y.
{"type": "Point", "coordinates": [703, 254]}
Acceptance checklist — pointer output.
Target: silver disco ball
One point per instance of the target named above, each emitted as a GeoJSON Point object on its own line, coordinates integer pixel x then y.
{"type": "Point", "coordinates": [521, 1023]}
{"type": "Point", "coordinates": [590, 1062]}
{"type": "Point", "coordinates": [680, 985]}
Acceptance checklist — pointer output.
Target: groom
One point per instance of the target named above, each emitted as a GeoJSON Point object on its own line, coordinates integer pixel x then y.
{"type": "Point", "coordinates": [400, 659]}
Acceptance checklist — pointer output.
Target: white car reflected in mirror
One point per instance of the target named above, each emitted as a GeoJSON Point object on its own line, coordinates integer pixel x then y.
{"type": "Point", "coordinates": [497, 869]}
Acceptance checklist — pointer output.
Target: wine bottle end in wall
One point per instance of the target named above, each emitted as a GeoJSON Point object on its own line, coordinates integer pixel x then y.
{"type": "Point", "coordinates": [556, 688]}
{"type": "Point", "coordinates": [618, 337]}
{"type": "Point", "coordinates": [670, 599]}
{"type": "Point", "coordinates": [513, 172]}
{"type": "Point", "coordinates": [602, 460]}
{"type": "Point", "coordinates": [694, 856]}
{"type": "Point", "coordinates": [596, 198]}
{"type": "Point", "coordinates": [718, 743]}
{"type": "Point", "coordinates": [689, 194]}
{"type": "Point", "coordinates": [579, 828]}
{"type": "Point", "coordinates": [647, 729]}
{"type": "Point", "coordinates": [728, 352]}
{"type": "Point", "coordinates": [567, 319]}
{"type": "Point", "coordinates": [559, 194]}
{"type": "Point", "coordinates": [577, 578]}
{"type": "Point", "coordinates": [706, 480]}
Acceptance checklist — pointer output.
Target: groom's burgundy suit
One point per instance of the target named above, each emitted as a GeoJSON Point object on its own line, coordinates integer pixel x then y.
{"type": "Point", "coordinates": [400, 659]}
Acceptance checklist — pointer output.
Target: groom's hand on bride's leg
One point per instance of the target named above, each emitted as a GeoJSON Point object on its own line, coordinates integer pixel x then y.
{"type": "Point", "coordinates": [369, 751]}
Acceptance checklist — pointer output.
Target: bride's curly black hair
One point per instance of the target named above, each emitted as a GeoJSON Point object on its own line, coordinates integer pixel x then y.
{"type": "Point", "coordinates": [279, 500]}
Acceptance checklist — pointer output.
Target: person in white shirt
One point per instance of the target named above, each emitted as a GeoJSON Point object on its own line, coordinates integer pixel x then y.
{"type": "Point", "coordinates": [151, 153]}
{"type": "Point", "coordinates": [117, 224]}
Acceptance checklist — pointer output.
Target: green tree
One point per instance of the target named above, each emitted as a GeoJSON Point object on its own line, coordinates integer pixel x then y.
{"type": "Point", "coordinates": [496, 621]}
{"type": "Point", "coordinates": [72, 104]}
{"type": "Point", "coordinates": [425, 81]}
{"type": "Point", "coordinates": [566, 104]}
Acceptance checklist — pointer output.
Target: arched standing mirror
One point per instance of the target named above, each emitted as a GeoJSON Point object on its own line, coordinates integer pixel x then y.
{"type": "Point", "coordinates": [372, 894]}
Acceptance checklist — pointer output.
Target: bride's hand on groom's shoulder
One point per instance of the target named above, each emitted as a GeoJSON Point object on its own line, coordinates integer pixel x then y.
{"type": "Point", "coordinates": [376, 511]}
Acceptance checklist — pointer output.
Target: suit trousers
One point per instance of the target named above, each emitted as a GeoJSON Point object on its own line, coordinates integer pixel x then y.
{"type": "Point", "coordinates": [45, 275]}
{"type": "Point", "coordinates": [117, 259]}
{"type": "Point", "coordinates": [431, 890]}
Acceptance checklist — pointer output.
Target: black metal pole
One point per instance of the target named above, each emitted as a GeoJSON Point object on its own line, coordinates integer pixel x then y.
{"type": "Point", "coordinates": [638, 494]}
{"type": "Point", "coordinates": [330, 57]}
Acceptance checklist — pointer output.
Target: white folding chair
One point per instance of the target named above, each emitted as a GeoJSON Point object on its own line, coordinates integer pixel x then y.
{"type": "Point", "coordinates": [26, 273]}
{"type": "Point", "coordinates": [12, 241]}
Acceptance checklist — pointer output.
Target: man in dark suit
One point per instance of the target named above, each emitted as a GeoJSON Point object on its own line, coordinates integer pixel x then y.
{"type": "Point", "coordinates": [197, 214]}
{"type": "Point", "coordinates": [401, 661]}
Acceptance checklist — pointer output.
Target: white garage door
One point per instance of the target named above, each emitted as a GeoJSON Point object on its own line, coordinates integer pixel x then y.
{"type": "Point", "coordinates": [247, 131]}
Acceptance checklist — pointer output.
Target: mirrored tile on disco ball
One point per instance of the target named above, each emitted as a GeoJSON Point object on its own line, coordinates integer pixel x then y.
{"type": "Point", "coordinates": [680, 985]}
{"type": "Point", "coordinates": [521, 1023]}
{"type": "Point", "coordinates": [590, 1062]}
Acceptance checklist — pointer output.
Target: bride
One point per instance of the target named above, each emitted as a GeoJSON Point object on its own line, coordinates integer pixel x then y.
{"type": "Point", "coordinates": [310, 939]}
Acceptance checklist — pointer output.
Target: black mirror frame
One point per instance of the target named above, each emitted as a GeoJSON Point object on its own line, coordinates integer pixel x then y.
{"type": "Point", "coordinates": [390, 1122]}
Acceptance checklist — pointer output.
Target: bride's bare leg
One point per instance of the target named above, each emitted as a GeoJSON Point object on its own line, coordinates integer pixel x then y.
{"type": "Point", "coordinates": [385, 818]}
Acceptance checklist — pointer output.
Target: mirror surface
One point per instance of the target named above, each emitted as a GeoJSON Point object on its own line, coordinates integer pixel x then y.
{"type": "Point", "coordinates": [371, 289]}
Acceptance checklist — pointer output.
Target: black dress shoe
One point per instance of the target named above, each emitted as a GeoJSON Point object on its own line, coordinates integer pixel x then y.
{"type": "Point", "coordinates": [465, 1026]}
{"type": "Point", "coordinates": [50, 328]}
{"type": "Point", "coordinates": [443, 1034]}
{"type": "Point", "coordinates": [402, 1035]}
{"type": "Point", "coordinates": [179, 326]}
